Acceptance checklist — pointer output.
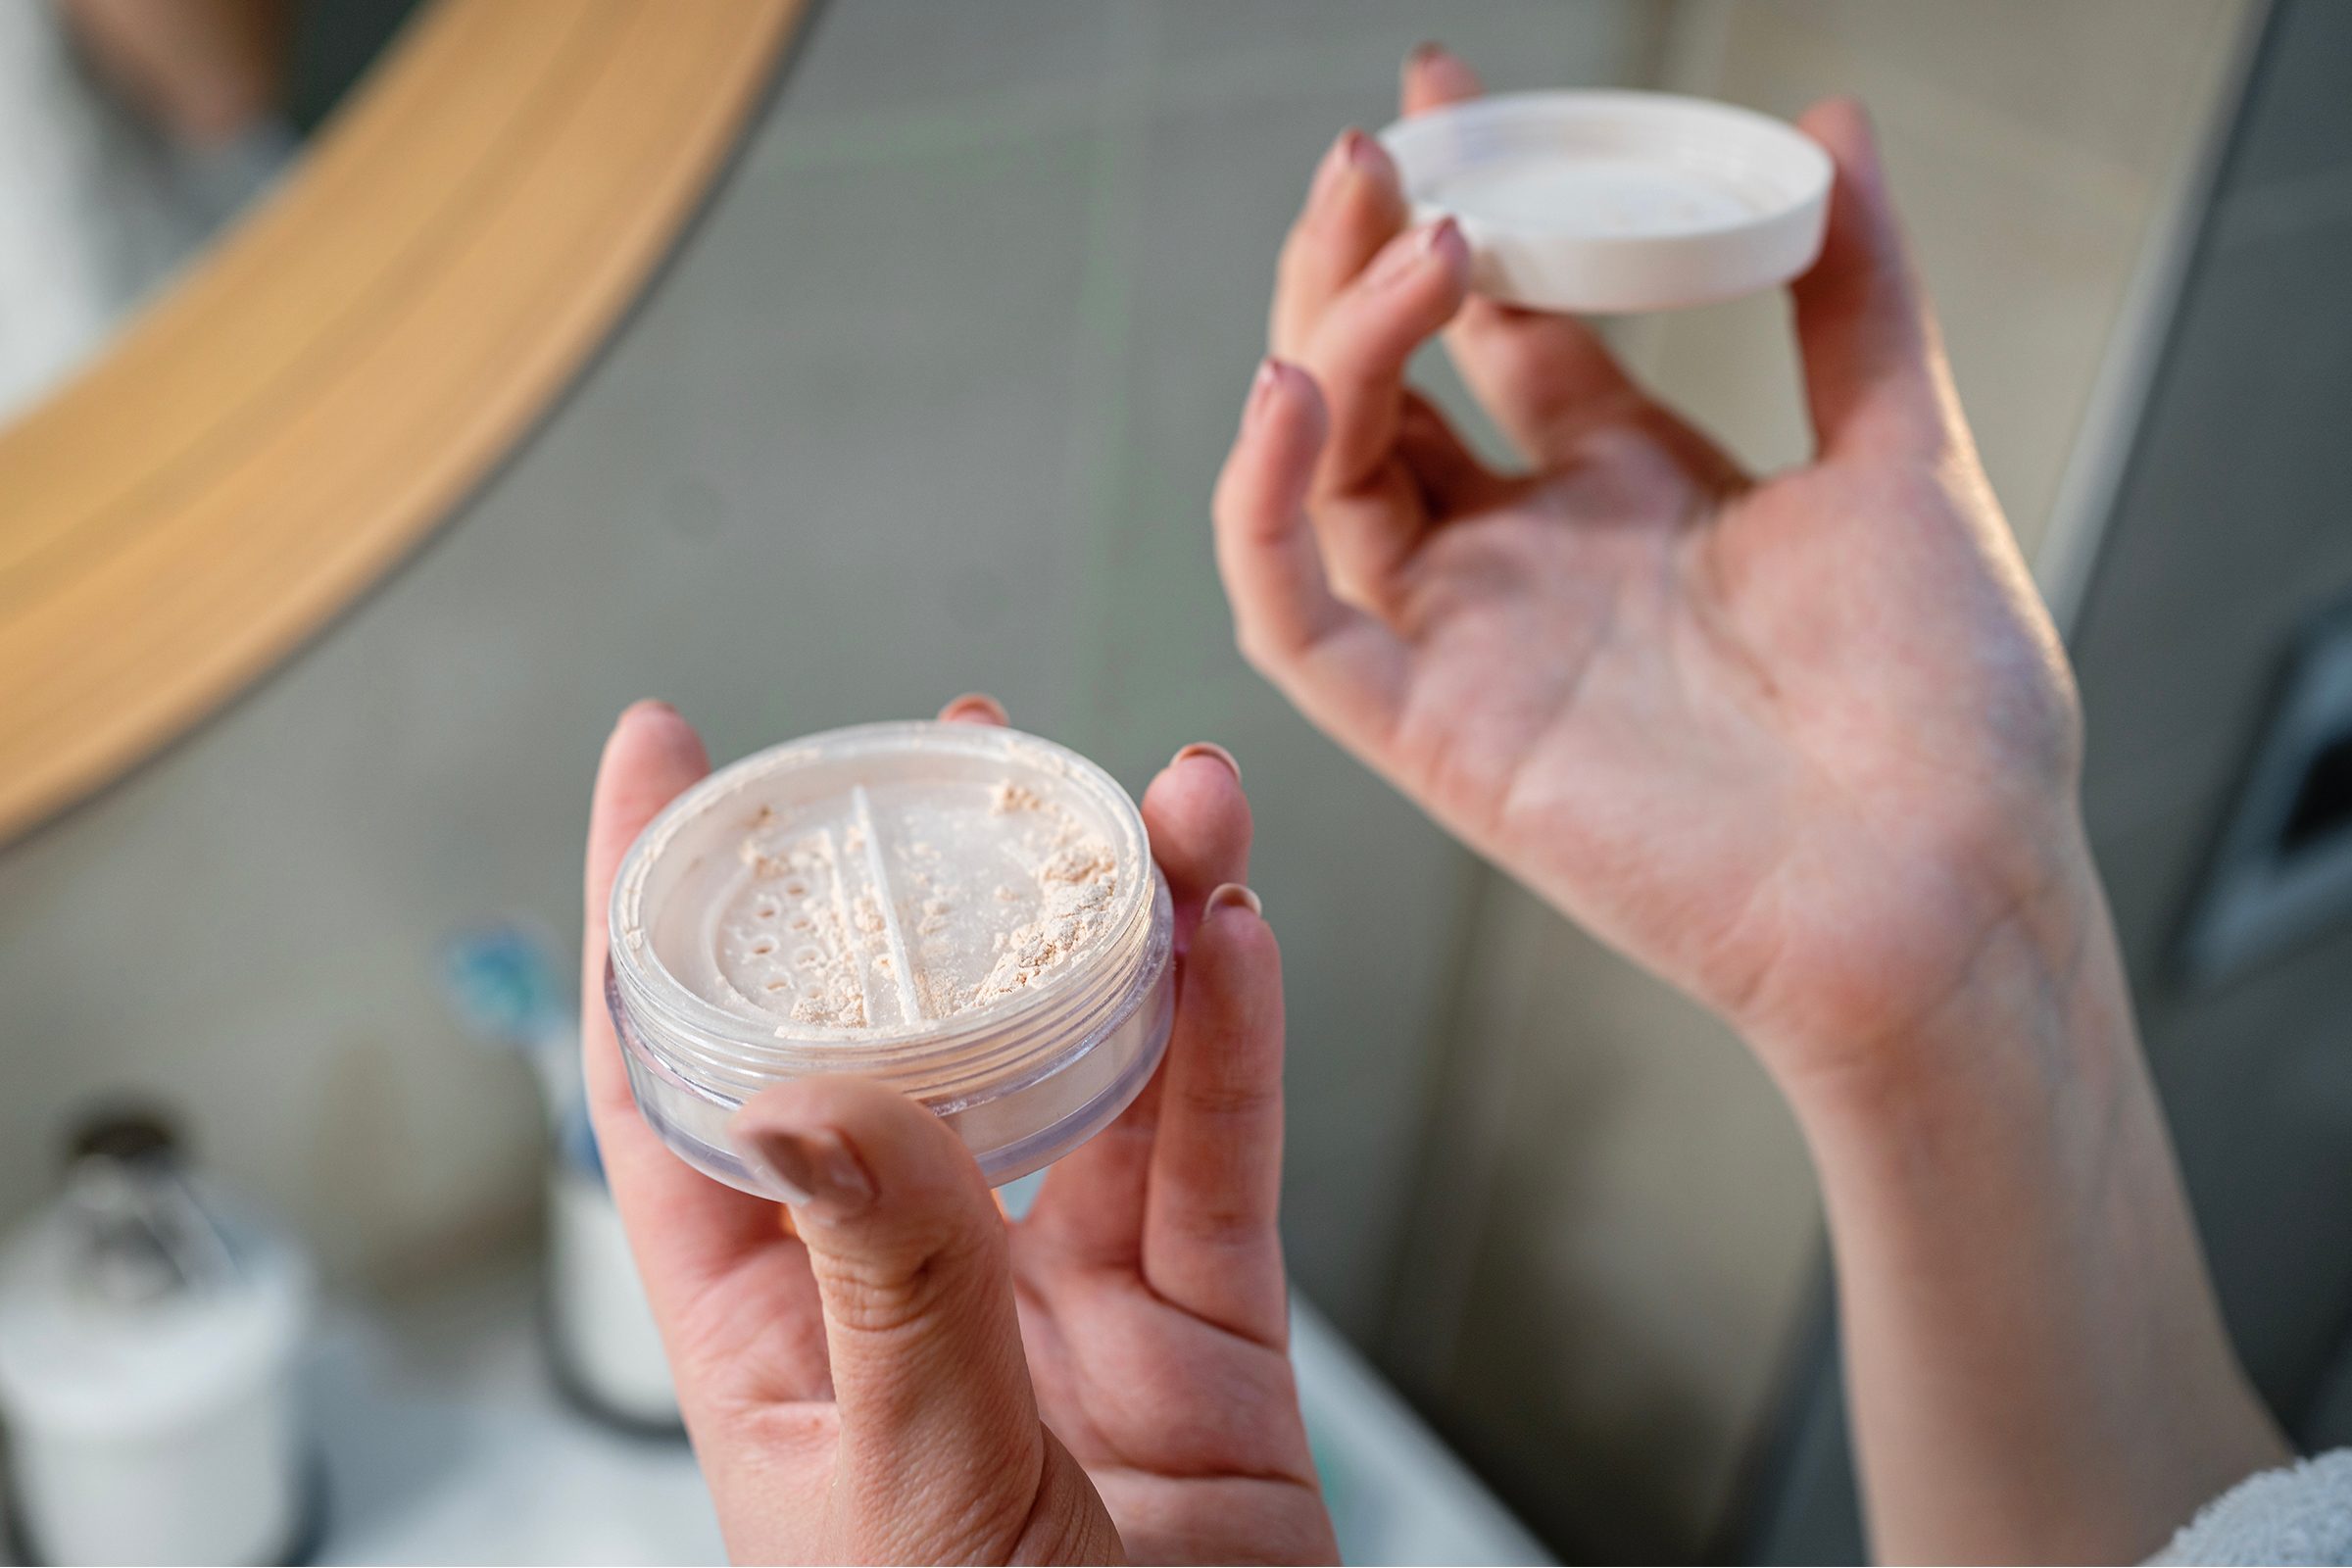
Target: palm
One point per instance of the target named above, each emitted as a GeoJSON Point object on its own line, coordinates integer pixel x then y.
{"type": "Point", "coordinates": [1189, 1432]}
{"type": "Point", "coordinates": [1676, 707]}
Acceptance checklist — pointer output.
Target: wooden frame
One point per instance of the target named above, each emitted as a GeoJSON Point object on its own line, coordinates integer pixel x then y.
{"type": "Point", "coordinates": [319, 392]}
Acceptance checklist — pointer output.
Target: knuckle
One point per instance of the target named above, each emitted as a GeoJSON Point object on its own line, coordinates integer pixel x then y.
{"type": "Point", "coordinates": [893, 1291]}
{"type": "Point", "coordinates": [1230, 1099]}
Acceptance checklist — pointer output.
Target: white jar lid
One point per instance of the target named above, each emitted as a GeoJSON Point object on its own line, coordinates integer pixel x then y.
{"type": "Point", "coordinates": [1617, 202]}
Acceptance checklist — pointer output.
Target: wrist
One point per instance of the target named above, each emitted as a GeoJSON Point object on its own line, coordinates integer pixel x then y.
{"type": "Point", "coordinates": [2001, 1177]}
{"type": "Point", "coordinates": [2031, 1016]}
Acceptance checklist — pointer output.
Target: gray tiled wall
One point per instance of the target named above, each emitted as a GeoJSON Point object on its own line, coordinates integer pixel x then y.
{"type": "Point", "coordinates": [932, 399]}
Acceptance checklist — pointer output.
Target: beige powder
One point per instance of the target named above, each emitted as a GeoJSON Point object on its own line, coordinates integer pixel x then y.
{"type": "Point", "coordinates": [807, 938]}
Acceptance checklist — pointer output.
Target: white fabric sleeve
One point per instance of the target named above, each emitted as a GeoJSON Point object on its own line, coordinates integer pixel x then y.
{"type": "Point", "coordinates": [2299, 1513]}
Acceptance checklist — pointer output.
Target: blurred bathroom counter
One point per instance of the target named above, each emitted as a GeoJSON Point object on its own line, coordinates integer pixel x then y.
{"type": "Point", "coordinates": [444, 1441]}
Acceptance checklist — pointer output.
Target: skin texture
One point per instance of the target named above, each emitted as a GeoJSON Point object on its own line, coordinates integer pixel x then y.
{"type": "Point", "coordinates": [1806, 746]}
{"type": "Point", "coordinates": [892, 1372]}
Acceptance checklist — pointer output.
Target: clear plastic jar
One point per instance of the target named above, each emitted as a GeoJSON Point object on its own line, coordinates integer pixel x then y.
{"type": "Point", "coordinates": [963, 912]}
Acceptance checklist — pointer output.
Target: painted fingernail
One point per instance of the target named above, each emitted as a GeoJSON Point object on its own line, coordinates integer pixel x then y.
{"type": "Point", "coordinates": [1337, 160]}
{"type": "Point", "coordinates": [1261, 388]}
{"type": "Point", "coordinates": [975, 708]}
{"type": "Point", "coordinates": [1231, 896]}
{"type": "Point", "coordinates": [813, 1170]}
{"type": "Point", "coordinates": [1208, 749]}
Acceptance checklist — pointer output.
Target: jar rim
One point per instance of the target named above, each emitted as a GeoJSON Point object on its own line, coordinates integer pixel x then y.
{"type": "Point", "coordinates": [704, 1041]}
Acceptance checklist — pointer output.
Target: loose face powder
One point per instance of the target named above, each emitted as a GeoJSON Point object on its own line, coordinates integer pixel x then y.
{"type": "Point", "coordinates": [964, 913]}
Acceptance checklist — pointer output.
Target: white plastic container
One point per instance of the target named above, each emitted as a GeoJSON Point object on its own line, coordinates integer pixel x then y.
{"type": "Point", "coordinates": [963, 912]}
{"type": "Point", "coordinates": [148, 1337]}
{"type": "Point", "coordinates": [1617, 202]}
{"type": "Point", "coordinates": [608, 1348]}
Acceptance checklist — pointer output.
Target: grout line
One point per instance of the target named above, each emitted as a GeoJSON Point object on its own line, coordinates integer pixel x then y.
{"type": "Point", "coordinates": [1023, 114]}
{"type": "Point", "coordinates": [1098, 427]}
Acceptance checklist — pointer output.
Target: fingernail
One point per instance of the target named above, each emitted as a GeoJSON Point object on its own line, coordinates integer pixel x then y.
{"type": "Point", "coordinates": [813, 1170]}
{"type": "Point", "coordinates": [1336, 160]}
{"type": "Point", "coordinates": [648, 706]}
{"type": "Point", "coordinates": [1261, 389]}
{"type": "Point", "coordinates": [1210, 749]}
{"type": "Point", "coordinates": [1424, 52]}
{"type": "Point", "coordinates": [975, 708]}
{"type": "Point", "coordinates": [1231, 896]}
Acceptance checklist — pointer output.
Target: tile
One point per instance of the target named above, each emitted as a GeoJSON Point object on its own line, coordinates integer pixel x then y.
{"type": "Point", "coordinates": [873, 60]}
{"type": "Point", "coordinates": [1516, 44]}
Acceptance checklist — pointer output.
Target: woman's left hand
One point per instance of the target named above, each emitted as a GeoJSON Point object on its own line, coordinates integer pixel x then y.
{"type": "Point", "coordinates": [904, 1375]}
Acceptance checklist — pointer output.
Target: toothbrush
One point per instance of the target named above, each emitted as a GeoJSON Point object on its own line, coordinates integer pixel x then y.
{"type": "Point", "coordinates": [504, 989]}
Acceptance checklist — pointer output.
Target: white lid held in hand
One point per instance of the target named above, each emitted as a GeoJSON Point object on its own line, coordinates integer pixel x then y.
{"type": "Point", "coordinates": [1617, 202]}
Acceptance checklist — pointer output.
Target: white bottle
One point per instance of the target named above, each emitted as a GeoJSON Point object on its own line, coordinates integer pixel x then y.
{"type": "Point", "coordinates": [148, 1335]}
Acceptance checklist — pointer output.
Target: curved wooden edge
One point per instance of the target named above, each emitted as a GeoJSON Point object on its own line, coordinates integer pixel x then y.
{"type": "Point", "coordinates": [305, 406]}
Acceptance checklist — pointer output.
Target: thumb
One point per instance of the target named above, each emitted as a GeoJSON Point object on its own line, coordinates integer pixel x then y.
{"type": "Point", "coordinates": [1873, 365]}
{"type": "Point", "coordinates": [942, 1453]}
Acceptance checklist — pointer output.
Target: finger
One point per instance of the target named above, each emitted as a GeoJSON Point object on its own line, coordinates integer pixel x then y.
{"type": "Point", "coordinates": [1211, 1243]}
{"type": "Point", "coordinates": [1358, 350]}
{"type": "Point", "coordinates": [1543, 377]}
{"type": "Point", "coordinates": [1454, 480]}
{"type": "Point", "coordinates": [974, 708]}
{"type": "Point", "coordinates": [1092, 1204]}
{"type": "Point", "coordinates": [1370, 510]}
{"type": "Point", "coordinates": [938, 1425]}
{"type": "Point", "coordinates": [682, 1225]}
{"type": "Point", "coordinates": [1338, 665]}
{"type": "Point", "coordinates": [1435, 76]}
{"type": "Point", "coordinates": [1199, 824]}
{"type": "Point", "coordinates": [1873, 368]}
{"type": "Point", "coordinates": [1353, 208]}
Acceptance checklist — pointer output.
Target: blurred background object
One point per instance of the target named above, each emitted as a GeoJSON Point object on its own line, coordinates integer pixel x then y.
{"type": "Point", "coordinates": [929, 398]}
{"type": "Point", "coordinates": [150, 1327]}
{"type": "Point", "coordinates": [602, 1341]}
{"type": "Point", "coordinates": [130, 131]}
